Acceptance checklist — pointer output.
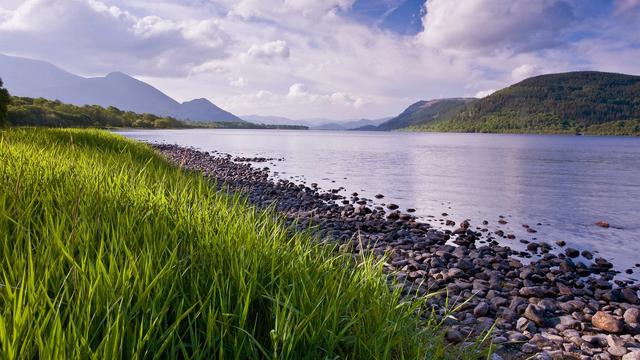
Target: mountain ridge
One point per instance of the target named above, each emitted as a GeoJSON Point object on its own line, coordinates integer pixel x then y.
{"type": "Point", "coordinates": [35, 78]}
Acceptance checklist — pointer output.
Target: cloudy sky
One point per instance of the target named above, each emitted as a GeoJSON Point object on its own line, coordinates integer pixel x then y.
{"type": "Point", "coordinates": [338, 59]}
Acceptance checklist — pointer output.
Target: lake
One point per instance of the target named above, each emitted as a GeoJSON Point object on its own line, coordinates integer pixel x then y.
{"type": "Point", "coordinates": [558, 185]}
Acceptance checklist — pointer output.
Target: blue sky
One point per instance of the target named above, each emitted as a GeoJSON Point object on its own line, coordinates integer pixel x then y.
{"type": "Point", "coordinates": [400, 16]}
{"type": "Point", "coordinates": [339, 59]}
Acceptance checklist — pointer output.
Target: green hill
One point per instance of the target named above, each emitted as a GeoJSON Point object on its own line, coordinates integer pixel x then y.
{"type": "Point", "coordinates": [423, 112]}
{"type": "Point", "coordinates": [24, 111]}
{"type": "Point", "coordinates": [577, 102]}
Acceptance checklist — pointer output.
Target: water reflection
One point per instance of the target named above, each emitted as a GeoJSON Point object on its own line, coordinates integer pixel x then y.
{"type": "Point", "coordinates": [564, 183]}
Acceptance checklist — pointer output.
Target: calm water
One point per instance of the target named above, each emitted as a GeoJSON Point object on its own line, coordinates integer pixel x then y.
{"type": "Point", "coordinates": [564, 183]}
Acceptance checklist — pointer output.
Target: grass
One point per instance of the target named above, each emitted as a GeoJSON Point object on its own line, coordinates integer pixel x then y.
{"type": "Point", "coordinates": [108, 251]}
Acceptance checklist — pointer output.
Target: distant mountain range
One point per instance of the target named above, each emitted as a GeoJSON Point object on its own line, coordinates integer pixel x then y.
{"type": "Point", "coordinates": [34, 78]}
{"type": "Point", "coordinates": [314, 123]}
{"type": "Point", "coordinates": [575, 102]}
{"type": "Point", "coordinates": [421, 112]}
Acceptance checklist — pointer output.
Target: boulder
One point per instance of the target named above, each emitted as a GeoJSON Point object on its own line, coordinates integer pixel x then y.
{"type": "Point", "coordinates": [632, 316]}
{"type": "Point", "coordinates": [607, 322]}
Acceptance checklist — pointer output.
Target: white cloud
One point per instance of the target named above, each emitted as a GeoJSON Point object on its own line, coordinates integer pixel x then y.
{"type": "Point", "coordinates": [88, 35]}
{"type": "Point", "coordinates": [270, 50]}
{"type": "Point", "coordinates": [239, 82]}
{"type": "Point", "coordinates": [495, 25]}
{"type": "Point", "coordinates": [275, 8]}
{"type": "Point", "coordinates": [524, 71]}
{"type": "Point", "coordinates": [484, 93]}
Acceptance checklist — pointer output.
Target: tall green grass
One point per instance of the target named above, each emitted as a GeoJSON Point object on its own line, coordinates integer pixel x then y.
{"type": "Point", "coordinates": [107, 251]}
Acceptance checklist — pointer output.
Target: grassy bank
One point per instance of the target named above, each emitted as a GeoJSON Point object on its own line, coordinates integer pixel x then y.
{"type": "Point", "coordinates": [107, 251]}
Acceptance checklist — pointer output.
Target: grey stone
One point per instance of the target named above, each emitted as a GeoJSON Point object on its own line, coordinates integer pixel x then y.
{"type": "Point", "coordinates": [632, 316]}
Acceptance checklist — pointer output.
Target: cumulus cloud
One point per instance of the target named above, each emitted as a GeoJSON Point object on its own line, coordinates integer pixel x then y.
{"type": "Point", "coordinates": [495, 25]}
{"type": "Point", "coordinates": [86, 34]}
{"type": "Point", "coordinates": [270, 50]}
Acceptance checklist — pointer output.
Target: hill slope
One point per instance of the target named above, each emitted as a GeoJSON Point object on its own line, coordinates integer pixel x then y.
{"type": "Point", "coordinates": [588, 101]}
{"type": "Point", "coordinates": [33, 78]}
{"type": "Point", "coordinates": [422, 112]}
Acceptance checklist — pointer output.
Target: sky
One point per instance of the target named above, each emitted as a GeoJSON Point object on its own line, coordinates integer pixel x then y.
{"type": "Point", "coordinates": [338, 59]}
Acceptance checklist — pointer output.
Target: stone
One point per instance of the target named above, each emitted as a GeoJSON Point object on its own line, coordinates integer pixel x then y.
{"type": "Point", "coordinates": [606, 322]}
{"type": "Point", "coordinates": [522, 323]}
{"type": "Point", "coordinates": [603, 224]}
{"type": "Point", "coordinates": [629, 295]}
{"type": "Point", "coordinates": [481, 309]}
{"type": "Point", "coordinates": [453, 336]}
{"type": "Point", "coordinates": [617, 350]}
{"type": "Point", "coordinates": [536, 291]}
{"type": "Point", "coordinates": [634, 355]}
{"type": "Point", "coordinates": [571, 252]}
{"type": "Point", "coordinates": [455, 273]}
{"type": "Point", "coordinates": [535, 314]}
{"type": "Point", "coordinates": [632, 316]}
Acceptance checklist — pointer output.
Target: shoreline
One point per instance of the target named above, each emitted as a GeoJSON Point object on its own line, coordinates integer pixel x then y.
{"type": "Point", "coordinates": [552, 306]}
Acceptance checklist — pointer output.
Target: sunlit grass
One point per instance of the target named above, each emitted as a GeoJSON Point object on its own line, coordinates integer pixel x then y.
{"type": "Point", "coordinates": [107, 251]}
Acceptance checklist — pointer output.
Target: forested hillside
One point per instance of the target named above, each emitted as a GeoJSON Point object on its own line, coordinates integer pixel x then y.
{"type": "Point", "coordinates": [577, 102]}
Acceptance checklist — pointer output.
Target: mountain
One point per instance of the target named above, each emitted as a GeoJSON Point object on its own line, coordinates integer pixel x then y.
{"type": "Point", "coordinates": [574, 102]}
{"type": "Point", "coordinates": [270, 120]}
{"type": "Point", "coordinates": [422, 112]}
{"type": "Point", "coordinates": [314, 123]}
{"type": "Point", "coordinates": [349, 124]}
{"type": "Point", "coordinates": [203, 110]}
{"type": "Point", "coordinates": [34, 78]}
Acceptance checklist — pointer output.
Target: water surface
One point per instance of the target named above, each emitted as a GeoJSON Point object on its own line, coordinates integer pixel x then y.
{"type": "Point", "coordinates": [558, 185]}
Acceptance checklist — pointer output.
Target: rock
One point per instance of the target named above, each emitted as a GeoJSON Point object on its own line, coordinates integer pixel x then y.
{"type": "Point", "coordinates": [616, 346]}
{"type": "Point", "coordinates": [567, 266]}
{"type": "Point", "coordinates": [606, 322]}
{"type": "Point", "coordinates": [393, 216]}
{"type": "Point", "coordinates": [629, 295]}
{"type": "Point", "coordinates": [453, 336]}
{"type": "Point", "coordinates": [571, 252]}
{"type": "Point", "coordinates": [535, 314]}
{"type": "Point", "coordinates": [632, 316]}
{"type": "Point", "coordinates": [481, 309]}
{"type": "Point", "coordinates": [378, 196]}
{"type": "Point", "coordinates": [602, 224]}
{"type": "Point", "coordinates": [536, 291]}
{"type": "Point", "coordinates": [634, 355]}
{"type": "Point", "coordinates": [455, 273]}
{"type": "Point", "coordinates": [392, 206]}
{"type": "Point", "coordinates": [561, 243]}
{"type": "Point", "coordinates": [617, 350]}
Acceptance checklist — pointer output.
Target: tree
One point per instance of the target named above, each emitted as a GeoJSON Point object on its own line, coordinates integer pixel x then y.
{"type": "Point", "coordinates": [4, 102]}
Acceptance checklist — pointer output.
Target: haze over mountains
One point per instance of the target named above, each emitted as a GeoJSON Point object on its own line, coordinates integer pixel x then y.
{"type": "Point", "coordinates": [315, 123]}
{"type": "Point", "coordinates": [34, 78]}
